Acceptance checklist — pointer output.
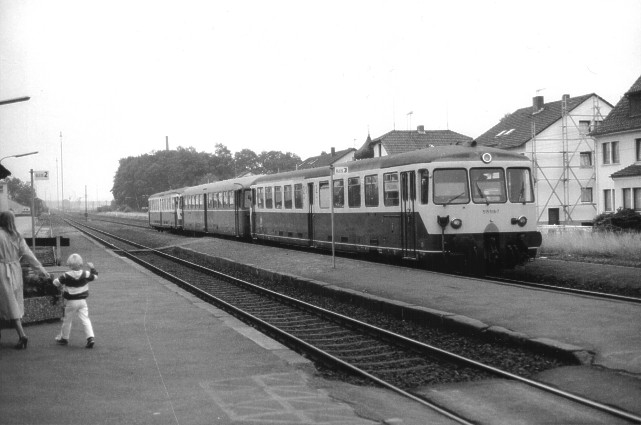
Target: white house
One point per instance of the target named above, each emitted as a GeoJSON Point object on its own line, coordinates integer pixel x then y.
{"type": "Point", "coordinates": [556, 137]}
{"type": "Point", "coordinates": [618, 145]}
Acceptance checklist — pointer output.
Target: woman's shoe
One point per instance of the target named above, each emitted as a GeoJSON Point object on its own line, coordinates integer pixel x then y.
{"type": "Point", "coordinates": [22, 343]}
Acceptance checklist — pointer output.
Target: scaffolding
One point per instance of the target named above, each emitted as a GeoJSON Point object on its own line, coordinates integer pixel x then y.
{"type": "Point", "coordinates": [560, 177]}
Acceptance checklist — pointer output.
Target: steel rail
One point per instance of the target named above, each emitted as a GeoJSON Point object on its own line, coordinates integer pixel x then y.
{"type": "Point", "coordinates": [268, 328]}
{"type": "Point", "coordinates": [399, 338]}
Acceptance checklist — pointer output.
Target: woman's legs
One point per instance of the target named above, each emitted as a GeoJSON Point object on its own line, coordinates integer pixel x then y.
{"type": "Point", "coordinates": [17, 323]}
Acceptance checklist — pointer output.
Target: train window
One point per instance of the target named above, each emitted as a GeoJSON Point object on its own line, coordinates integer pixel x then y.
{"type": "Point", "coordinates": [519, 185]}
{"type": "Point", "coordinates": [298, 196]}
{"type": "Point", "coordinates": [390, 189]}
{"type": "Point", "coordinates": [371, 191]}
{"type": "Point", "coordinates": [278, 197]}
{"type": "Point", "coordinates": [287, 194]}
{"type": "Point", "coordinates": [450, 187]}
{"type": "Point", "coordinates": [323, 194]}
{"type": "Point", "coordinates": [225, 199]}
{"type": "Point", "coordinates": [354, 192]}
{"type": "Point", "coordinates": [259, 195]}
{"type": "Point", "coordinates": [232, 198]}
{"type": "Point", "coordinates": [219, 200]}
{"type": "Point", "coordinates": [339, 193]}
{"type": "Point", "coordinates": [488, 185]}
{"type": "Point", "coordinates": [425, 185]}
{"type": "Point", "coordinates": [269, 200]}
{"type": "Point", "coordinates": [247, 196]}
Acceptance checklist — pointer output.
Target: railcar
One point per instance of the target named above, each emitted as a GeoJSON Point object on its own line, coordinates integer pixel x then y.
{"type": "Point", "coordinates": [220, 208]}
{"type": "Point", "coordinates": [464, 206]}
{"type": "Point", "coordinates": [471, 206]}
{"type": "Point", "coordinates": [165, 210]}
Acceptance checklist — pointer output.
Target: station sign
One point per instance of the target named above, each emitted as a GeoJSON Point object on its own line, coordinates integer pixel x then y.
{"type": "Point", "coordinates": [41, 175]}
{"type": "Point", "coordinates": [341, 170]}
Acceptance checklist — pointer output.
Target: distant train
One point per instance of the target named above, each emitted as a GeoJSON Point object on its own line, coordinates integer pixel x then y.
{"type": "Point", "coordinates": [470, 207]}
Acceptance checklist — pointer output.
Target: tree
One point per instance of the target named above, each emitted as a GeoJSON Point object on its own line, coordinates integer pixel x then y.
{"type": "Point", "coordinates": [19, 191]}
{"type": "Point", "coordinates": [246, 161]}
{"type": "Point", "coordinates": [277, 162]}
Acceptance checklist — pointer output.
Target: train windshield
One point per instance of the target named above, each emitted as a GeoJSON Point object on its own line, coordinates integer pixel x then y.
{"type": "Point", "coordinates": [519, 185]}
{"type": "Point", "coordinates": [488, 185]}
{"type": "Point", "coordinates": [450, 187]}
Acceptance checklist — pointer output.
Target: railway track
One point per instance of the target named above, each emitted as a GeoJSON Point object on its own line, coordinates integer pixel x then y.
{"type": "Point", "coordinates": [569, 288]}
{"type": "Point", "coordinates": [387, 359]}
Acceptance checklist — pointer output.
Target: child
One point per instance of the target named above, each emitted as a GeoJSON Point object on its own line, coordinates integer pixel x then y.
{"type": "Point", "coordinates": [75, 292]}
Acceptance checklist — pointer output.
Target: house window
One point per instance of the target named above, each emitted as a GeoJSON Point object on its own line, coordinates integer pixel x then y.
{"type": "Point", "coordinates": [627, 200]}
{"type": "Point", "coordinates": [586, 159]}
{"type": "Point", "coordinates": [638, 149]}
{"type": "Point", "coordinates": [584, 127]}
{"type": "Point", "coordinates": [637, 198]}
{"type": "Point", "coordinates": [586, 194]}
{"type": "Point", "coordinates": [608, 199]}
{"type": "Point", "coordinates": [611, 153]}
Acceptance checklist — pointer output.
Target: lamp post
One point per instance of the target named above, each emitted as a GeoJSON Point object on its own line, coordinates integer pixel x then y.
{"type": "Point", "coordinates": [18, 156]}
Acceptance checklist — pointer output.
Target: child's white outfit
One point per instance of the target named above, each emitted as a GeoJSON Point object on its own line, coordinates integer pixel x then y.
{"type": "Point", "coordinates": [75, 292]}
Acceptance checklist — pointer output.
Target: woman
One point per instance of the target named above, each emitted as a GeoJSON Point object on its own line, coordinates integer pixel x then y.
{"type": "Point", "coordinates": [12, 247]}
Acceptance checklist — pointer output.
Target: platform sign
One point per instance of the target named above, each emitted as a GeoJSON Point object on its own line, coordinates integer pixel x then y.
{"type": "Point", "coordinates": [340, 170]}
{"type": "Point", "coordinates": [41, 175]}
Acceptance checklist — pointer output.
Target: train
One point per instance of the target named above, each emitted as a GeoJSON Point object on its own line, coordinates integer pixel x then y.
{"type": "Point", "coordinates": [468, 207]}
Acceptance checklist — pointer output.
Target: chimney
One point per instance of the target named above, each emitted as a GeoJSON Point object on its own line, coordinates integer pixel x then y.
{"type": "Point", "coordinates": [167, 143]}
{"type": "Point", "coordinates": [537, 103]}
{"type": "Point", "coordinates": [421, 129]}
{"type": "Point", "coordinates": [333, 152]}
{"type": "Point", "coordinates": [565, 97]}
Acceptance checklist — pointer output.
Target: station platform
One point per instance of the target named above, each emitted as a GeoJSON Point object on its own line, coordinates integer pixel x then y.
{"type": "Point", "coordinates": [163, 356]}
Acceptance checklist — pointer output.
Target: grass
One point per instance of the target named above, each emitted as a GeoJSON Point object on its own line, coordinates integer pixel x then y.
{"type": "Point", "coordinates": [602, 247]}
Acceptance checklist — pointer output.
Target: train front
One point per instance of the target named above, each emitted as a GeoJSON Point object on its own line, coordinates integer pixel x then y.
{"type": "Point", "coordinates": [486, 212]}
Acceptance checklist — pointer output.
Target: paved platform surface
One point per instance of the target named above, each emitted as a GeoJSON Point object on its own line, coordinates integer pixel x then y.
{"type": "Point", "coordinates": [162, 356]}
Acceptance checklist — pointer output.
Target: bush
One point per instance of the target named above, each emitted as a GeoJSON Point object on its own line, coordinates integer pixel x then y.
{"type": "Point", "coordinates": [624, 219]}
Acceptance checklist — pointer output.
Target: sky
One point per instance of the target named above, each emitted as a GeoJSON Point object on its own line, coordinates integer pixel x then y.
{"type": "Point", "coordinates": [112, 79]}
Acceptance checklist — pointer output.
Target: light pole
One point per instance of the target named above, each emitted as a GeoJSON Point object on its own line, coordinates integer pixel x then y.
{"type": "Point", "coordinates": [18, 156]}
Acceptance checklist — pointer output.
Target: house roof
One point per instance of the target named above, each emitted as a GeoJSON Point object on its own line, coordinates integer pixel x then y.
{"type": "Point", "coordinates": [515, 129]}
{"type": "Point", "coordinates": [633, 170]}
{"type": "Point", "coordinates": [619, 118]}
{"type": "Point", "coordinates": [400, 141]}
{"type": "Point", "coordinates": [325, 159]}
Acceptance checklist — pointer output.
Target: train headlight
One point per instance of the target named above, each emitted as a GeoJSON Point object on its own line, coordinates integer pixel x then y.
{"type": "Point", "coordinates": [521, 221]}
{"type": "Point", "coordinates": [486, 157]}
{"type": "Point", "coordinates": [456, 223]}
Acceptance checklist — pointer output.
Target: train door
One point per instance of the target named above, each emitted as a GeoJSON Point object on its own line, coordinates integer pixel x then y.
{"type": "Point", "coordinates": [252, 213]}
{"type": "Point", "coordinates": [205, 209]}
{"type": "Point", "coordinates": [178, 211]}
{"type": "Point", "coordinates": [408, 218]}
{"type": "Point", "coordinates": [310, 213]}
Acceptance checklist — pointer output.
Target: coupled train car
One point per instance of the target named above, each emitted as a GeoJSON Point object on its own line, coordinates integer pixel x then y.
{"type": "Point", "coordinates": [470, 207]}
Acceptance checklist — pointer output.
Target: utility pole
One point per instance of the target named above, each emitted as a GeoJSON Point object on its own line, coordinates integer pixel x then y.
{"type": "Point", "coordinates": [62, 181]}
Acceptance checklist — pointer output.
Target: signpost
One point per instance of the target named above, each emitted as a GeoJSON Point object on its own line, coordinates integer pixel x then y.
{"type": "Point", "coordinates": [39, 175]}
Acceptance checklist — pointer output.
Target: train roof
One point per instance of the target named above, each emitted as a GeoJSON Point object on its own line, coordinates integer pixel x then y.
{"type": "Point", "coordinates": [167, 192]}
{"type": "Point", "coordinates": [452, 153]}
{"type": "Point", "coordinates": [223, 185]}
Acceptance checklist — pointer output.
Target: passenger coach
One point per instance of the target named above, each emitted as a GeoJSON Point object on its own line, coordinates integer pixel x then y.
{"type": "Point", "coordinates": [474, 204]}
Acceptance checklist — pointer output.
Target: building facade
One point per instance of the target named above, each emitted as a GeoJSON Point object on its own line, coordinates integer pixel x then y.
{"type": "Point", "coordinates": [556, 137]}
{"type": "Point", "coordinates": [618, 146]}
